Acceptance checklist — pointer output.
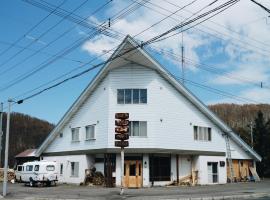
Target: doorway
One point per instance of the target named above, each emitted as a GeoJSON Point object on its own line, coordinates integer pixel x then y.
{"type": "Point", "coordinates": [212, 168]}
{"type": "Point", "coordinates": [133, 173]}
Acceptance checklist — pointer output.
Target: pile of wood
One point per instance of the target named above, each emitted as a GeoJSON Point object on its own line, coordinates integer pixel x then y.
{"type": "Point", "coordinates": [92, 177]}
{"type": "Point", "coordinates": [11, 174]}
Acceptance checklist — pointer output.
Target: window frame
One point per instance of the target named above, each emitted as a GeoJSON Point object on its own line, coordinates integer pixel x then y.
{"type": "Point", "coordinates": [202, 133]}
{"type": "Point", "coordinates": [139, 128]}
{"type": "Point", "coordinates": [50, 170]}
{"type": "Point", "coordinates": [78, 137]}
{"type": "Point", "coordinates": [73, 173]}
{"type": "Point", "coordinates": [94, 134]}
{"type": "Point", "coordinates": [122, 92]}
{"type": "Point", "coordinates": [36, 168]}
{"type": "Point", "coordinates": [28, 167]}
{"type": "Point", "coordinates": [61, 169]}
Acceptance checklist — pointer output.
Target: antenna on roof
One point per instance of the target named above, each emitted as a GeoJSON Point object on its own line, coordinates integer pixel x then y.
{"type": "Point", "coordinates": [182, 58]}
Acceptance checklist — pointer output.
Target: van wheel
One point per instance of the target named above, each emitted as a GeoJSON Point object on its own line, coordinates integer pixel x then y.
{"type": "Point", "coordinates": [48, 183]}
{"type": "Point", "coordinates": [32, 182]}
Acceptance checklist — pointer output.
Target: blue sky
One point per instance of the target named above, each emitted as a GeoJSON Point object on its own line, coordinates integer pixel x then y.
{"type": "Point", "coordinates": [230, 52]}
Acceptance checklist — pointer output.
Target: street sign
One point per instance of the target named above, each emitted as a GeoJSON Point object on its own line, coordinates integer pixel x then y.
{"type": "Point", "coordinates": [121, 143]}
{"type": "Point", "coordinates": [120, 136]}
{"type": "Point", "coordinates": [121, 129]}
{"type": "Point", "coordinates": [121, 115]}
{"type": "Point", "coordinates": [121, 122]}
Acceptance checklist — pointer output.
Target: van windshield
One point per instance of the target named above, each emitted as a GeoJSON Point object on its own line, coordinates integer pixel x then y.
{"type": "Point", "coordinates": [50, 167]}
{"type": "Point", "coordinates": [36, 169]}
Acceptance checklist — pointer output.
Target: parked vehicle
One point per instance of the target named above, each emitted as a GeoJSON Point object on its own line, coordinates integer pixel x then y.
{"type": "Point", "coordinates": [18, 173]}
{"type": "Point", "coordinates": [44, 172]}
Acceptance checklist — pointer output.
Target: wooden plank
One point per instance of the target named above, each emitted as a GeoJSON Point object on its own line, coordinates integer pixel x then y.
{"type": "Point", "coordinates": [254, 174]}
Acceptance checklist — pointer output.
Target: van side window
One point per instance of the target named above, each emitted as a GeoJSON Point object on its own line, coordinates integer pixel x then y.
{"type": "Point", "coordinates": [50, 168]}
{"type": "Point", "coordinates": [36, 169]}
{"type": "Point", "coordinates": [29, 168]}
{"type": "Point", "coordinates": [19, 168]}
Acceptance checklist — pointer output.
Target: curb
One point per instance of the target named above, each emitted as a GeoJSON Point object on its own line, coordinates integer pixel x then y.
{"type": "Point", "coordinates": [241, 196]}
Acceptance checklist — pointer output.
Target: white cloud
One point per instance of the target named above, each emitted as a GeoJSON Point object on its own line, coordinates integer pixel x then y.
{"type": "Point", "coordinates": [245, 54]}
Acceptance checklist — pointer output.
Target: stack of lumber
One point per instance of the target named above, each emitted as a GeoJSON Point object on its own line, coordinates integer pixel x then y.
{"type": "Point", "coordinates": [11, 174]}
{"type": "Point", "coordinates": [98, 178]}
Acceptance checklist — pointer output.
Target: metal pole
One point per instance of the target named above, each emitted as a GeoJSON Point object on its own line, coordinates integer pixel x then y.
{"type": "Point", "coordinates": [251, 133]}
{"type": "Point", "coordinates": [122, 171]}
{"type": "Point", "coordinates": [6, 150]}
{"type": "Point", "coordinates": [1, 131]}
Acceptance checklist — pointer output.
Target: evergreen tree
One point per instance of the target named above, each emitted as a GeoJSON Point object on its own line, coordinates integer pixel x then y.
{"type": "Point", "coordinates": [261, 143]}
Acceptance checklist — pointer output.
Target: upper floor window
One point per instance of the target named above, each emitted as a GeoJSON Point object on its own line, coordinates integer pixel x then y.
{"type": "Point", "coordinates": [202, 133]}
{"type": "Point", "coordinates": [75, 134]}
{"type": "Point", "coordinates": [90, 132]}
{"type": "Point", "coordinates": [131, 96]}
{"type": "Point", "coordinates": [138, 128]}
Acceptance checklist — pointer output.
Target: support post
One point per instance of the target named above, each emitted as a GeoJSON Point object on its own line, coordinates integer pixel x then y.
{"type": "Point", "coordinates": [177, 169]}
{"type": "Point", "coordinates": [251, 134]}
{"type": "Point", "coordinates": [122, 171]}
{"type": "Point", "coordinates": [6, 150]}
{"type": "Point", "coordinates": [1, 131]}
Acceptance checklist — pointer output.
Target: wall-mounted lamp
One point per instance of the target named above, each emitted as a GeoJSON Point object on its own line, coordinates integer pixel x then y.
{"type": "Point", "coordinates": [145, 164]}
{"type": "Point", "coordinates": [161, 120]}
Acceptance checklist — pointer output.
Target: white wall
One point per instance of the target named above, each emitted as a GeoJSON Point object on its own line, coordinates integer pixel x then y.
{"type": "Point", "coordinates": [201, 166]}
{"type": "Point", "coordinates": [93, 111]}
{"type": "Point", "coordinates": [85, 162]}
{"type": "Point", "coordinates": [178, 115]}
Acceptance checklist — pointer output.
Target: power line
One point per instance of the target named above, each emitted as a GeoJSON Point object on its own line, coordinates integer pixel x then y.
{"type": "Point", "coordinates": [53, 41]}
{"type": "Point", "coordinates": [41, 35]}
{"type": "Point", "coordinates": [125, 52]}
{"type": "Point", "coordinates": [31, 29]}
{"type": "Point", "coordinates": [262, 6]}
{"type": "Point", "coordinates": [213, 35]}
{"type": "Point", "coordinates": [61, 53]}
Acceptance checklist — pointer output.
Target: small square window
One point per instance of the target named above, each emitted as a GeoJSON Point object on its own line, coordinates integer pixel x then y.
{"type": "Point", "coordinates": [90, 132]}
{"type": "Point", "coordinates": [60, 135]}
{"type": "Point", "coordinates": [75, 134]}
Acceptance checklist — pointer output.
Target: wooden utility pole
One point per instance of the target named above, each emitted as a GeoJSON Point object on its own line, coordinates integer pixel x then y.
{"type": "Point", "coordinates": [121, 137]}
{"type": "Point", "coordinates": [1, 131]}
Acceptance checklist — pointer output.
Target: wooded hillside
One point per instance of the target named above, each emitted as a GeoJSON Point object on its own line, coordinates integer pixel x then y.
{"type": "Point", "coordinates": [239, 117]}
{"type": "Point", "coordinates": [25, 132]}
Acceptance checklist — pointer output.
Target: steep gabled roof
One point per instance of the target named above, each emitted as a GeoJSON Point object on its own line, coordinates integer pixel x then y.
{"type": "Point", "coordinates": [150, 62]}
{"type": "Point", "coordinates": [26, 153]}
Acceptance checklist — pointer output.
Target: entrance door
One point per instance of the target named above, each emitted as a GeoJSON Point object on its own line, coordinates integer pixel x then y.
{"type": "Point", "coordinates": [133, 173]}
{"type": "Point", "coordinates": [212, 168]}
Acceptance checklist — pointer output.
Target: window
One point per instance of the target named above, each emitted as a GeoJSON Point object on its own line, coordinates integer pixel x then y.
{"type": "Point", "coordinates": [19, 168]}
{"type": "Point", "coordinates": [202, 133]}
{"type": "Point", "coordinates": [60, 135]}
{"type": "Point", "coordinates": [132, 96]}
{"type": "Point", "coordinates": [160, 168]}
{"type": "Point", "coordinates": [138, 128]}
{"type": "Point", "coordinates": [75, 134]}
{"type": "Point", "coordinates": [36, 168]}
{"type": "Point", "coordinates": [90, 132]}
{"type": "Point", "coordinates": [29, 168]}
{"type": "Point", "coordinates": [61, 168]}
{"type": "Point", "coordinates": [75, 169]}
{"type": "Point", "coordinates": [50, 167]}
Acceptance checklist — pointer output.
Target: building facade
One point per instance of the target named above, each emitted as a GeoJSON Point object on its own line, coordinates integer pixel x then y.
{"type": "Point", "coordinates": [173, 136]}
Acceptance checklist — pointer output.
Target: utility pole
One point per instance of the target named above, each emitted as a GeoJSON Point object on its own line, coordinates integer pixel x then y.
{"type": "Point", "coordinates": [1, 131]}
{"type": "Point", "coordinates": [251, 134]}
{"type": "Point", "coordinates": [6, 150]}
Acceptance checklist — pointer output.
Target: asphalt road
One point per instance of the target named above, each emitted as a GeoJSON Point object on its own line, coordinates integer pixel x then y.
{"type": "Point", "coordinates": [228, 191]}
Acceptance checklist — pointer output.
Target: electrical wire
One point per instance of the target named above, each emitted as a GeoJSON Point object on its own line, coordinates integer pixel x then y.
{"type": "Point", "coordinates": [31, 29]}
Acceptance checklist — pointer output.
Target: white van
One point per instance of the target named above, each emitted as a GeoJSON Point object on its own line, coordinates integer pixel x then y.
{"type": "Point", "coordinates": [44, 172]}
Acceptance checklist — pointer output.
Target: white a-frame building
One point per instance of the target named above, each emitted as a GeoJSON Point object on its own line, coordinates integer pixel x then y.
{"type": "Point", "coordinates": [173, 135]}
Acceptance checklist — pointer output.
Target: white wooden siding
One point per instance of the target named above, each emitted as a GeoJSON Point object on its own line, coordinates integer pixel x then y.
{"type": "Point", "coordinates": [170, 116]}
{"type": "Point", "coordinates": [93, 111]}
